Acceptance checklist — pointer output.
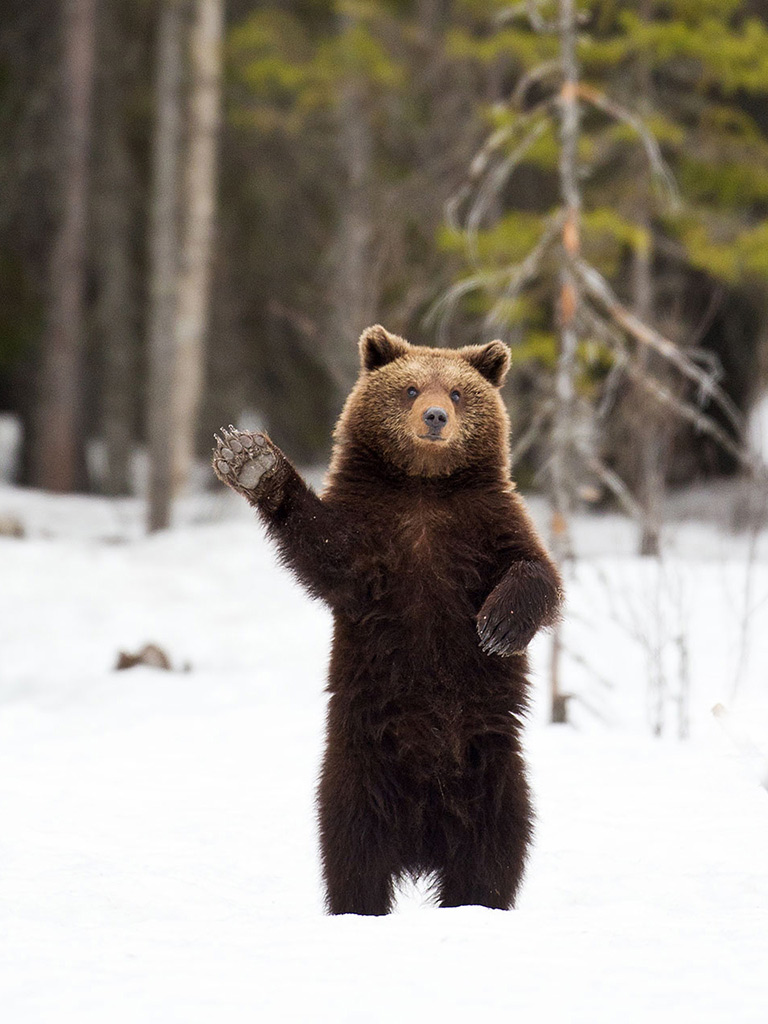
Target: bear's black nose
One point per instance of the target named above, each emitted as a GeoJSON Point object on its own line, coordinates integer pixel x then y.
{"type": "Point", "coordinates": [435, 418]}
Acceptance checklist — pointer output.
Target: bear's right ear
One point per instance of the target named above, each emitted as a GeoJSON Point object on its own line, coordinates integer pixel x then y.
{"type": "Point", "coordinates": [378, 347]}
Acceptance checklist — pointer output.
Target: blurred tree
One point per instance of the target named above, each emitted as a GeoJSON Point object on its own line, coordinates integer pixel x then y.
{"type": "Point", "coordinates": [163, 268]}
{"type": "Point", "coordinates": [198, 214]}
{"type": "Point", "coordinates": [114, 266]}
{"type": "Point", "coordinates": [426, 78]}
{"type": "Point", "coordinates": [354, 287]}
{"type": "Point", "coordinates": [375, 122]}
{"type": "Point", "coordinates": [585, 302]}
{"type": "Point", "coordinates": [687, 68]}
{"type": "Point", "coordinates": [625, 97]}
{"type": "Point", "coordinates": [318, 87]}
{"type": "Point", "coordinates": [29, 64]}
{"type": "Point", "coordinates": [645, 420]}
{"type": "Point", "coordinates": [181, 280]}
{"type": "Point", "coordinates": [58, 461]}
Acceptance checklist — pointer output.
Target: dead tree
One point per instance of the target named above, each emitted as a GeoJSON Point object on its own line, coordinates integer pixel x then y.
{"type": "Point", "coordinates": [113, 259]}
{"type": "Point", "coordinates": [561, 469]}
{"type": "Point", "coordinates": [57, 457]}
{"type": "Point", "coordinates": [586, 304]}
{"type": "Point", "coordinates": [163, 241]}
{"type": "Point", "coordinates": [184, 199]}
{"type": "Point", "coordinates": [353, 299]}
{"type": "Point", "coordinates": [199, 204]}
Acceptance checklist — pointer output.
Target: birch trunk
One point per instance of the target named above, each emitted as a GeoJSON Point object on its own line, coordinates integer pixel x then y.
{"type": "Point", "coordinates": [646, 418]}
{"type": "Point", "coordinates": [199, 195]}
{"type": "Point", "coordinates": [561, 475]}
{"type": "Point", "coordinates": [57, 458]}
{"type": "Point", "coordinates": [650, 431]}
{"type": "Point", "coordinates": [163, 266]}
{"type": "Point", "coordinates": [353, 291]}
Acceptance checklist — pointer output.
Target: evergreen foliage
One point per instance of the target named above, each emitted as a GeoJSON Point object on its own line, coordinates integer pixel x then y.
{"type": "Point", "coordinates": [673, 161]}
{"type": "Point", "coordinates": [433, 80]}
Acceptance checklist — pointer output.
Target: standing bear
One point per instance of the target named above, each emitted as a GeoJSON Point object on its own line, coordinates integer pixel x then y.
{"type": "Point", "coordinates": [437, 582]}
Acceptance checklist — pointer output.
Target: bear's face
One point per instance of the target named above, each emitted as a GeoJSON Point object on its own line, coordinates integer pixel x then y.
{"type": "Point", "coordinates": [429, 412]}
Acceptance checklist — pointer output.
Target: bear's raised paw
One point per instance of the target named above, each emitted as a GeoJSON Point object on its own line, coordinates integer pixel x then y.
{"type": "Point", "coordinates": [243, 460]}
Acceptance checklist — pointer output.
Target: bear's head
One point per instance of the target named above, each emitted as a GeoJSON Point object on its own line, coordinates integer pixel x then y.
{"type": "Point", "coordinates": [427, 411]}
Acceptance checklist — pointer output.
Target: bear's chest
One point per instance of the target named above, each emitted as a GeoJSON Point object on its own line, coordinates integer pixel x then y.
{"type": "Point", "coordinates": [427, 563]}
{"type": "Point", "coordinates": [420, 536]}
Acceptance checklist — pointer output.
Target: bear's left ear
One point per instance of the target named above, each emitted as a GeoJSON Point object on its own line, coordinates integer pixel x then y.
{"type": "Point", "coordinates": [491, 360]}
{"type": "Point", "coordinates": [378, 347]}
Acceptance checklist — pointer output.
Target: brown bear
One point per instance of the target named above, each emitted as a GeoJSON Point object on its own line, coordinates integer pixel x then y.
{"type": "Point", "coordinates": [437, 582]}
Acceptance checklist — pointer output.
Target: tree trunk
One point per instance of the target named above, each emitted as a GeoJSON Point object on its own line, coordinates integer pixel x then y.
{"type": "Point", "coordinates": [353, 291]}
{"type": "Point", "coordinates": [58, 462]}
{"type": "Point", "coordinates": [163, 266]}
{"type": "Point", "coordinates": [561, 468]}
{"type": "Point", "coordinates": [113, 262]}
{"type": "Point", "coordinates": [644, 412]}
{"type": "Point", "coordinates": [644, 415]}
{"type": "Point", "coordinates": [431, 17]}
{"type": "Point", "coordinates": [200, 203]}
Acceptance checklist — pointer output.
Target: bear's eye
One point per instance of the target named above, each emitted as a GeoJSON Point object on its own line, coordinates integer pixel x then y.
{"type": "Point", "coordinates": [455, 396]}
{"type": "Point", "coordinates": [413, 392]}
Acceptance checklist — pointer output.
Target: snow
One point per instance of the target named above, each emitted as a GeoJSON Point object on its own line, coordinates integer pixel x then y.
{"type": "Point", "coordinates": [158, 855]}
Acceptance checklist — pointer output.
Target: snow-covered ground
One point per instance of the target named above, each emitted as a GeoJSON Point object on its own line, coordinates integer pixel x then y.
{"type": "Point", "coordinates": [157, 839]}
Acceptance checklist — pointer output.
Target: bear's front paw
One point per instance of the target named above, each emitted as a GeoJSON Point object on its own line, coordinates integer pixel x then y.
{"type": "Point", "coordinates": [501, 632]}
{"type": "Point", "coordinates": [243, 460]}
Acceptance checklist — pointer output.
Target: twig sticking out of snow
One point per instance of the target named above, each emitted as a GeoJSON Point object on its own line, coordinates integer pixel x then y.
{"type": "Point", "coordinates": [745, 745]}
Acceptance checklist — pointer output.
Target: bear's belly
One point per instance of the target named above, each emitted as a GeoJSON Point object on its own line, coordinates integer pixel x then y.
{"type": "Point", "coordinates": [415, 604]}
{"type": "Point", "coordinates": [436, 728]}
{"type": "Point", "coordinates": [427, 741]}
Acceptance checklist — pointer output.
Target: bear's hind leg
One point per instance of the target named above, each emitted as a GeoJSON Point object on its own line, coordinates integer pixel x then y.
{"type": "Point", "coordinates": [366, 889]}
{"type": "Point", "coordinates": [358, 879]}
{"type": "Point", "coordinates": [484, 863]}
{"type": "Point", "coordinates": [482, 877]}
{"type": "Point", "coordinates": [462, 887]}
{"type": "Point", "coordinates": [360, 859]}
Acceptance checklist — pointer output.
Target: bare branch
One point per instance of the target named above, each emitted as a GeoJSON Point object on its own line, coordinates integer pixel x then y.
{"type": "Point", "coordinates": [496, 179]}
{"type": "Point", "coordinates": [494, 141]}
{"type": "Point", "coordinates": [515, 277]}
{"type": "Point", "coordinates": [482, 158]}
{"type": "Point", "coordinates": [512, 13]}
{"type": "Point", "coordinates": [532, 77]}
{"type": "Point", "coordinates": [611, 386]}
{"type": "Point", "coordinates": [444, 305]}
{"type": "Point", "coordinates": [588, 704]}
{"type": "Point", "coordinates": [590, 321]}
{"type": "Point", "coordinates": [685, 410]}
{"type": "Point", "coordinates": [715, 302]}
{"type": "Point", "coordinates": [705, 424]}
{"type": "Point", "coordinates": [452, 207]}
{"type": "Point", "coordinates": [523, 272]}
{"type": "Point", "coordinates": [538, 22]}
{"type": "Point", "coordinates": [653, 152]}
{"type": "Point", "coordinates": [614, 483]}
{"type": "Point", "coordinates": [596, 285]}
{"type": "Point", "coordinates": [531, 434]}
{"type": "Point", "coordinates": [580, 660]}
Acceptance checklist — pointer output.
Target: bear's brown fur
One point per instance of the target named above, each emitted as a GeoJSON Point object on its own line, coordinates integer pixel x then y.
{"type": "Point", "coordinates": [437, 583]}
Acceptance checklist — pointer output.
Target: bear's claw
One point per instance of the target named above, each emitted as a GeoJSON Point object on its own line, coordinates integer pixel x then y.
{"type": "Point", "coordinates": [499, 633]}
{"type": "Point", "coordinates": [243, 460]}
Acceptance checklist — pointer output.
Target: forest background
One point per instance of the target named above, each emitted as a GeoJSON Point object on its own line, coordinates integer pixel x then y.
{"type": "Point", "coordinates": [203, 204]}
